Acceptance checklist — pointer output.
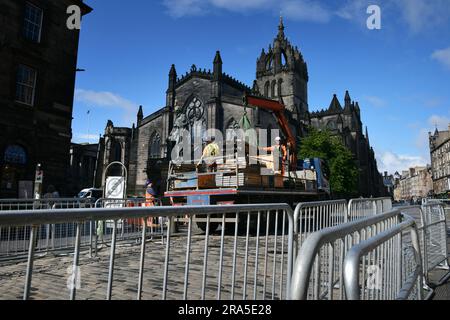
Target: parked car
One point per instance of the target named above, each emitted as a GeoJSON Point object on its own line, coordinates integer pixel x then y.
{"type": "Point", "coordinates": [90, 193]}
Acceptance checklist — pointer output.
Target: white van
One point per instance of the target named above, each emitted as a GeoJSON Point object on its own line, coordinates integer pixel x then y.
{"type": "Point", "coordinates": [90, 193]}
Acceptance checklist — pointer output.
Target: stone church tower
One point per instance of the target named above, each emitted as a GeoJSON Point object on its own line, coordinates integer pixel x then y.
{"type": "Point", "coordinates": [282, 74]}
{"type": "Point", "coordinates": [203, 99]}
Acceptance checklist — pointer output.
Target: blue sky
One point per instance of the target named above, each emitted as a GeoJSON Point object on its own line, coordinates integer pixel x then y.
{"type": "Point", "coordinates": [400, 75]}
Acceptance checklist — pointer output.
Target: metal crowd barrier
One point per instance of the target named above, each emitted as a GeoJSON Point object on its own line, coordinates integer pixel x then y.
{"type": "Point", "coordinates": [310, 217]}
{"type": "Point", "coordinates": [362, 208]}
{"type": "Point", "coordinates": [383, 204]}
{"type": "Point", "coordinates": [432, 228]}
{"type": "Point", "coordinates": [383, 268]}
{"type": "Point", "coordinates": [14, 240]}
{"type": "Point", "coordinates": [318, 271]}
{"type": "Point", "coordinates": [48, 203]}
{"type": "Point", "coordinates": [434, 238]}
{"type": "Point", "coordinates": [128, 229]}
{"type": "Point", "coordinates": [251, 258]}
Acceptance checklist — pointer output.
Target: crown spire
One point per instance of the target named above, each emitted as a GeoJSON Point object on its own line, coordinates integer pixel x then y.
{"type": "Point", "coordinates": [281, 27]}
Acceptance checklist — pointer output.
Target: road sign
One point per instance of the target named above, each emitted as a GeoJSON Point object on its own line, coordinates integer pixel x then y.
{"type": "Point", "coordinates": [115, 188]}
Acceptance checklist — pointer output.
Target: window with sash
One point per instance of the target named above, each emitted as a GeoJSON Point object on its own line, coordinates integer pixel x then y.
{"type": "Point", "coordinates": [32, 27]}
{"type": "Point", "coordinates": [26, 85]}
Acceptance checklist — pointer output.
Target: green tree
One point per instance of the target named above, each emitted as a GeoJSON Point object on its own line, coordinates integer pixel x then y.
{"type": "Point", "coordinates": [341, 164]}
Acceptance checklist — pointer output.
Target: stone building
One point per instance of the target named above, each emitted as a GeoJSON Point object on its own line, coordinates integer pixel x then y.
{"type": "Point", "coordinates": [83, 162]}
{"type": "Point", "coordinates": [204, 99]}
{"type": "Point", "coordinates": [38, 62]}
{"type": "Point", "coordinates": [415, 184]}
{"type": "Point", "coordinates": [345, 122]}
{"type": "Point", "coordinates": [440, 162]}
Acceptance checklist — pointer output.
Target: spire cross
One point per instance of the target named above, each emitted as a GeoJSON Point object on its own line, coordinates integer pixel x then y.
{"type": "Point", "coordinates": [281, 26]}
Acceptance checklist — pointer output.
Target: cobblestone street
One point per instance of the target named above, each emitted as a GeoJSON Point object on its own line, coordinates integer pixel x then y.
{"type": "Point", "coordinates": [52, 273]}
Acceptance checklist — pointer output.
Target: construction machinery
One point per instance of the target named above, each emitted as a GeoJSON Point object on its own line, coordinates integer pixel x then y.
{"type": "Point", "coordinates": [243, 178]}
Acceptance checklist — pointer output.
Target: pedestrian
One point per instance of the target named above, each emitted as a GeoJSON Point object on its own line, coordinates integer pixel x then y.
{"type": "Point", "coordinates": [150, 200]}
{"type": "Point", "coordinates": [210, 153]}
{"type": "Point", "coordinates": [278, 151]}
{"type": "Point", "coordinates": [51, 192]}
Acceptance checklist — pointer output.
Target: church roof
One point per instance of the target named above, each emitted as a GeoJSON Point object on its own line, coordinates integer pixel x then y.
{"type": "Point", "coordinates": [335, 105]}
{"type": "Point", "coordinates": [208, 75]}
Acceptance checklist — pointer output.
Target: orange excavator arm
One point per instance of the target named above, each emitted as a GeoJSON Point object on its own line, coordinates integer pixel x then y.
{"type": "Point", "coordinates": [278, 109]}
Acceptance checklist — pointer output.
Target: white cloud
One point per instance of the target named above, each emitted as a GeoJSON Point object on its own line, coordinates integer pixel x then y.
{"type": "Point", "coordinates": [422, 139]}
{"type": "Point", "coordinates": [354, 10]}
{"type": "Point", "coordinates": [106, 99]}
{"type": "Point", "coordinates": [304, 10]}
{"type": "Point", "coordinates": [442, 56]}
{"type": "Point", "coordinates": [392, 162]}
{"type": "Point", "coordinates": [376, 101]}
{"type": "Point", "coordinates": [87, 136]}
{"type": "Point", "coordinates": [240, 5]}
{"type": "Point", "coordinates": [181, 8]}
{"type": "Point", "coordinates": [441, 122]}
{"type": "Point", "coordinates": [420, 15]}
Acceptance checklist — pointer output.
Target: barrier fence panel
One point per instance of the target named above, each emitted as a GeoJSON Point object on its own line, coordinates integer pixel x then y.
{"type": "Point", "coordinates": [61, 237]}
{"type": "Point", "coordinates": [431, 222]}
{"type": "Point", "coordinates": [38, 204]}
{"type": "Point", "coordinates": [318, 270]}
{"type": "Point", "coordinates": [383, 204]}
{"type": "Point", "coordinates": [248, 257]}
{"type": "Point", "coordinates": [434, 223]}
{"type": "Point", "coordinates": [14, 240]}
{"type": "Point", "coordinates": [361, 208]}
{"type": "Point", "coordinates": [127, 229]}
{"type": "Point", "coordinates": [310, 217]}
{"type": "Point", "coordinates": [384, 267]}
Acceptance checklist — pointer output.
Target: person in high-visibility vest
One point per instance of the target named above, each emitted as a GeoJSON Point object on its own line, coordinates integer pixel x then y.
{"type": "Point", "coordinates": [279, 150]}
{"type": "Point", "coordinates": [150, 199]}
{"type": "Point", "coordinates": [150, 194]}
{"type": "Point", "coordinates": [210, 153]}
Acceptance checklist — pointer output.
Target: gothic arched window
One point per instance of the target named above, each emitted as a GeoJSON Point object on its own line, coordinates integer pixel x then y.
{"type": "Point", "coordinates": [283, 59]}
{"type": "Point", "coordinates": [195, 114]}
{"type": "Point", "coordinates": [154, 150]}
{"type": "Point", "coordinates": [117, 152]}
{"type": "Point", "coordinates": [266, 89]}
{"type": "Point", "coordinates": [274, 92]}
{"type": "Point", "coordinates": [331, 125]}
{"type": "Point", "coordinates": [280, 87]}
{"type": "Point", "coordinates": [269, 64]}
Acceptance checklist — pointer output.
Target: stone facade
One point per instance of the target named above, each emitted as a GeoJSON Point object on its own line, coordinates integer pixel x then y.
{"type": "Point", "coordinates": [345, 122]}
{"type": "Point", "coordinates": [440, 161]}
{"type": "Point", "coordinates": [38, 62]}
{"type": "Point", "coordinates": [415, 184]}
{"type": "Point", "coordinates": [83, 161]}
{"type": "Point", "coordinates": [203, 99]}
